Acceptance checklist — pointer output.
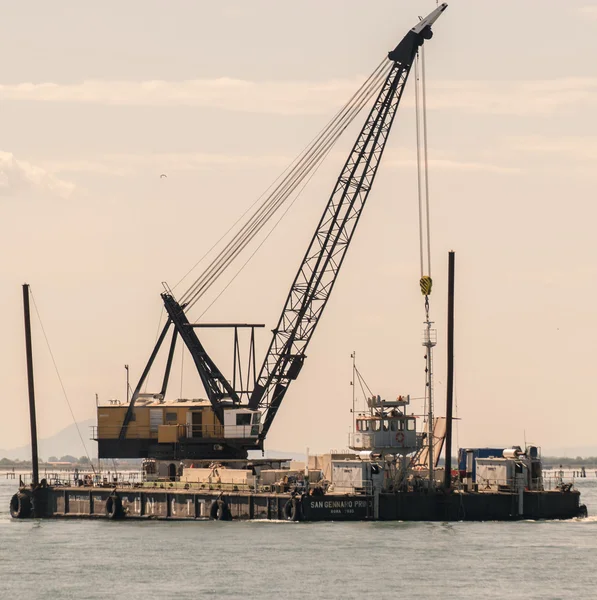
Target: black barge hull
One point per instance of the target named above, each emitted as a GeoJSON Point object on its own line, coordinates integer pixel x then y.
{"type": "Point", "coordinates": [176, 504]}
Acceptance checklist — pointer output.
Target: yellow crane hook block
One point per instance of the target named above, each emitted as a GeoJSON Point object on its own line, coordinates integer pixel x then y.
{"type": "Point", "coordinates": [426, 283]}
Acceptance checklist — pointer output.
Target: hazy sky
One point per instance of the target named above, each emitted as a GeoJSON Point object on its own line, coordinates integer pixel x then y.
{"type": "Point", "coordinates": [98, 99]}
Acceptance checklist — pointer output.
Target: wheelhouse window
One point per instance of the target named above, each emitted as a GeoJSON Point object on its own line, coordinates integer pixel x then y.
{"type": "Point", "coordinates": [362, 425]}
{"type": "Point", "coordinates": [410, 424]}
{"type": "Point", "coordinates": [394, 425]}
{"type": "Point", "coordinates": [376, 425]}
{"type": "Point", "coordinates": [243, 419]}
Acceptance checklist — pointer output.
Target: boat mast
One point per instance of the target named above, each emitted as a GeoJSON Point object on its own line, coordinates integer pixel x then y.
{"type": "Point", "coordinates": [29, 351]}
{"type": "Point", "coordinates": [429, 341]}
{"type": "Point", "coordinates": [450, 382]}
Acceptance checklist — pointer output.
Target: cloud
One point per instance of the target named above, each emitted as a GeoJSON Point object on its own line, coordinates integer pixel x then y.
{"type": "Point", "coordinates": [590, 10]}
{"type": "Point", "coordinates": [572, 148]}
{"type": "Point", "coordinates": [235, 12]}
{"type": "Point", "coordinates": [520, 98]}
{"type": "Point", "coordinates": [573, 155]}
{"type": "Point", "coordinates": [17, 176]}
{"type": "Point", "coordinates": [130, 164]}
{"type": "Point", "coordinates": [443, 164]}
{"type": "Point", "coordinates": [534, 97]}
{"type": "Point", "coordinates": [284, 97]}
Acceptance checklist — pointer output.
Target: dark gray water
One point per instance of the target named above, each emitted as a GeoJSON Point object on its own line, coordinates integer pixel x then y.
{"type": "Point", "coordinates": [100, 559]}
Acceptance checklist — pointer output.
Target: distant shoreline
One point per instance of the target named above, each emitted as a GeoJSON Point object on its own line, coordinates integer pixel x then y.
{"type": "Point", "coordinates": [7, 465]}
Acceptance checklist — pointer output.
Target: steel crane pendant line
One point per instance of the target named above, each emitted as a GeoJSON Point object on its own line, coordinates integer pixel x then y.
{"type": "Point", "coordinates": [318, 272]}
{"type": "Point", "coordinates": [306, 163]}
{"type": "Point", "coordinates": [217, 387]}
{"type": "Point", "coordinates": [425, 282]}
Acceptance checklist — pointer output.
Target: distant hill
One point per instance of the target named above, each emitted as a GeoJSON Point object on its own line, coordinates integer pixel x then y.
{"type": "Point", "coordinates": [66, 441]}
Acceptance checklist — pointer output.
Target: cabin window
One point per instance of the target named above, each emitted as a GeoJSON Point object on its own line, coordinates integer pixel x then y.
{"type": "Point", "coordinates": [256, 419]}
{"type": "Point", "coordinates": [410, 424]}
{"type": "Point", "coordinates": [359, 424]}
{"type": "Point", "coordinates": [400, 425]}
{"type": "Point", "coordinates": [385, 425]}
{"type": "Point", "coordinates": [365, 425]}
{"type": "Point", "coordinates": [243, 419]}
{"type": "Point", "coordinates": [171, 417]}
{"type": "Point", "coordinates": [376, 425]}
{"type": "Point", "coordinates": [394, 425]}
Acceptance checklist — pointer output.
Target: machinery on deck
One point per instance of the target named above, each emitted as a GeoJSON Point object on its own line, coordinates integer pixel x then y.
{"type": "Point", "coordinates": [236, 417]}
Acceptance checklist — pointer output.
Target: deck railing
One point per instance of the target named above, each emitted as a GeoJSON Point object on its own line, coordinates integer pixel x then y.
{"type": "Point", "coordinates": [85, 477]}
{"type": "Point", "coordinates": [123, 479]}
{"type": "Point", "coordinates": [544, 483]}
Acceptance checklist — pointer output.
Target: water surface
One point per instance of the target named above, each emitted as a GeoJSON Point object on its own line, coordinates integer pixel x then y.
{"type": "Point", "coordinates": [87, 559]}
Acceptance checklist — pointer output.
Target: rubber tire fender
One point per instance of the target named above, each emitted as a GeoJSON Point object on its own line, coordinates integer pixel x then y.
{"type": "Point", "coordinates": [114, 507]}
{"type": "Point", "coordinates": [20, 506]}
{"type": "Point", "coordinates": [293, 509]}
{"type": "Point", "coordinates": [219, 510]}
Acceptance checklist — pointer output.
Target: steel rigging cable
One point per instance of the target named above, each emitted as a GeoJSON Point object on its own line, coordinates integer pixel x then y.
{"type": "Point", "coordinates": [262, 241]}
{"type": "Point", "coordinates": [305, 164]}
{"type": "Point", "coordinates": [422, 173]}
{"type": "Point", "coordinates": [70, 408]}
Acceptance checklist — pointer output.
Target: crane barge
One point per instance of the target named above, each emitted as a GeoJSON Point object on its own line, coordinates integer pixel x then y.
{"type": "Point", "coordinates": [203, 444]}
{"type": "Point", "coordinates": [230, 421]}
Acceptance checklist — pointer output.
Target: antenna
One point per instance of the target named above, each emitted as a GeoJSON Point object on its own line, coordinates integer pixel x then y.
{"type": "Point", "coordinates": [524, 435]}
{"type": "Point", "coordinates": [127, 383]}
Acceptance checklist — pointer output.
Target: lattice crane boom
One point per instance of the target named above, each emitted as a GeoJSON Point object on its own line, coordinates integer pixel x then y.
{"type": "Point", "coordinates": [319, 269]}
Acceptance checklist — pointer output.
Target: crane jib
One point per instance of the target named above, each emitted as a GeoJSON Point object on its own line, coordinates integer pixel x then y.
{"type": "Point", "coordinates": [317, 274]}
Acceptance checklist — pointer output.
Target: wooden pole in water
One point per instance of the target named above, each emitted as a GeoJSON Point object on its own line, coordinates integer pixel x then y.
{"type": "Point", "coordinates": [34, 456]}
{"type": "Point", "coordinates": [450, 391]}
